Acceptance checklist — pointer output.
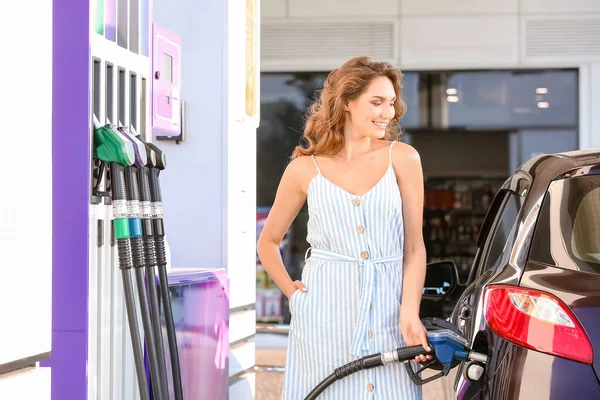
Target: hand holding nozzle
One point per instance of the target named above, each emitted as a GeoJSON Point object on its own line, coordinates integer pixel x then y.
{"type": "Point", "coordinates": [449, 348]}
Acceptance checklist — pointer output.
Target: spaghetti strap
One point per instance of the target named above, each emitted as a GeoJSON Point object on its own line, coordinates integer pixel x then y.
{"type": "Point", "coordinates": [391, 145]}
{"type": "Point", "coordinates": [316, 165]}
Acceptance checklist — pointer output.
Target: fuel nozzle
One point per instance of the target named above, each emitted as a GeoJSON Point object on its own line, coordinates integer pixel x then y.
{"type": "Point", "coordinates": [156, 157]}
{"type": "Point", "coordinates": [140, 155]}
{"type": "Point", "coordinates": [449, 347]}
{"type": "Point", "coordinates": [161, 158]}
{"type": "Point", "coordinates": [112, 146]}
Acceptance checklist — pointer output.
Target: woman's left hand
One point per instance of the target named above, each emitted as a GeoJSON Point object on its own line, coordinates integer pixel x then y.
{"type": "Point", "coordinates": [414, 334]}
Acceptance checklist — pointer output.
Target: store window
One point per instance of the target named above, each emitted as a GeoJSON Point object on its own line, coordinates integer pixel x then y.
{"type": "Point", "coordinates": [509, 99]}
{"type": "Point", "coordinates": [453, 212]}
{"type": "Point", "coordinates": [414, 90]}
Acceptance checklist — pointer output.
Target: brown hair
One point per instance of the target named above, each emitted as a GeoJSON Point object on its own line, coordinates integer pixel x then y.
{"type": "Point", "coordinates": [324, 128]}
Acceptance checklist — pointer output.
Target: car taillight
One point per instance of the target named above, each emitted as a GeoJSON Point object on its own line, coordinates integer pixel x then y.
{"type": "Point", "coordinates": [536, 320]}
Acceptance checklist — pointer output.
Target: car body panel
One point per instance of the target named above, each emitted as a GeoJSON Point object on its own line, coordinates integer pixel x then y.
{"type": "Point", "coordinates": [514, 372]}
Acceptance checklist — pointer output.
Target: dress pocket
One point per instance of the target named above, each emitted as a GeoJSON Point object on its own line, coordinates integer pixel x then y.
{"type": "Point", "coordinates": [292, 301]}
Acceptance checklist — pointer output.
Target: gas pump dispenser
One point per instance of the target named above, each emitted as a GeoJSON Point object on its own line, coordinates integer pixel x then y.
{"type": "Point", "coordinates": [126, 198]}
{"type": "Point", "coordinates": [118, 273]}
{"type": "Point", "coordinates": [141, 246]}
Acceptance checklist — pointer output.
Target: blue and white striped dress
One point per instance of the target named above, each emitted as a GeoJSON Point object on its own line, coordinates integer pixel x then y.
{"type": "Point", "coordinates": [354, 282]}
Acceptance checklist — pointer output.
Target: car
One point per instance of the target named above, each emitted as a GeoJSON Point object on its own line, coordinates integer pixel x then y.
{"type": "Point", "coordinates": [532, 299]}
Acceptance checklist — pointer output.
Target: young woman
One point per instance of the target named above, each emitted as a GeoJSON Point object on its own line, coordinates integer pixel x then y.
{"type": "Point", "coordinates": [362, 283]}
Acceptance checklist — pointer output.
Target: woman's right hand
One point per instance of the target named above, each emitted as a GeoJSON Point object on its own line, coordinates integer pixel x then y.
{"type": "Point", "coordinates": [296, 285]}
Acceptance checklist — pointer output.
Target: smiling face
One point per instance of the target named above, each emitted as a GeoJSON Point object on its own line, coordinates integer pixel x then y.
{"type": "Point", "coordinates": [370, 114]}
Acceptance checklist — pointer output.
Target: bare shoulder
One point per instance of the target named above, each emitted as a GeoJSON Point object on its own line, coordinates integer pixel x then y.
{"type": "Point", "coordinates": [405, 157]}
{"type": "Point", "coordinates": [300, 171]}
{"type": "Point", "coordinates": [300, 166]}
{"type": "Point", "coordinates": [406, 163]}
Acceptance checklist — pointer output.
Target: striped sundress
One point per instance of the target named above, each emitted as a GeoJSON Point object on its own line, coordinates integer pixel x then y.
{"type": "Point", "coordinates": [354, 282]}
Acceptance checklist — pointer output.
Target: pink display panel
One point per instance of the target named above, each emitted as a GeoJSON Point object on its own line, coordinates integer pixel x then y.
{"type": "Point", "coordinates": [166, 87]}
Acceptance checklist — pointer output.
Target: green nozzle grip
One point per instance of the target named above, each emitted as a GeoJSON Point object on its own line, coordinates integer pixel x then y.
{"type": "Point", "coordinates": [113, 147]}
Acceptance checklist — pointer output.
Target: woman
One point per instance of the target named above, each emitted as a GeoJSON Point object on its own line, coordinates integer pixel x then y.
{"type": "Point", "coordinates": [362, 283]}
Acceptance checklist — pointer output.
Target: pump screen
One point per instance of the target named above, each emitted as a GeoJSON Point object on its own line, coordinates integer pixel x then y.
{"type": "Point", "coordinates": [168, 67]}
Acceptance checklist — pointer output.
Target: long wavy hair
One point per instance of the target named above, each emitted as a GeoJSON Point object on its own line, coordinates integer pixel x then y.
{"type": "Point", "coordinates": [324, 127]}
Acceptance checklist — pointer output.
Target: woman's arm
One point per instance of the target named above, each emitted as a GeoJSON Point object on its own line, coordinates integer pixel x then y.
{"type": "Point", "coordinates": [290, 197]}
{"type": "Point", "coordinates": [407, 163]}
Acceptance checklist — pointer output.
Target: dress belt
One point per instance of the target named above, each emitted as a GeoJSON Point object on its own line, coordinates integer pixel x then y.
{"type": "Point", "coordinates": [360, 340]}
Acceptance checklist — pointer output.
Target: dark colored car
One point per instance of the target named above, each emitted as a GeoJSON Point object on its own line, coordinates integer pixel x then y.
{"type": "Point", "coordinates": [532, 301]}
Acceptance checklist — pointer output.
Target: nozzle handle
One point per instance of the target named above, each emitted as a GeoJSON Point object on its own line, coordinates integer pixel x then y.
{"type": "Point", "coordinates": [131, 181]}
{"type": "Point", "coordinates": [144, 183]}
{"type": "Point", "coordinates": [117, 176]}
{"type": "Point", "coordinates": [410, 352]}
{"type": "Point", "coordinates": [155, 193]}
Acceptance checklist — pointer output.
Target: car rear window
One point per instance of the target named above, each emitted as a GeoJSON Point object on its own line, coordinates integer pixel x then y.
{"type": "Point", "coordinates": [568, 231]}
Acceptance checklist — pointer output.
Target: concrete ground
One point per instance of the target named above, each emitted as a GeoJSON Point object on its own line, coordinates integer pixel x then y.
{"type": "Point", "coordinates": [271, 350]}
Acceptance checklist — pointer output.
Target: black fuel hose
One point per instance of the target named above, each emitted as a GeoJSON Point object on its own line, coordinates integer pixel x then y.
{"type": "Point", "coordinates": [159, 385]}
{"type": "Point", "coordinates": [150, 256]}
{"type": "Point", "coordinates": [161, 261]}
{"type": "Point", "coordinates": [401, 354]}
{"type": "Point", "coordinates": [121, 230]}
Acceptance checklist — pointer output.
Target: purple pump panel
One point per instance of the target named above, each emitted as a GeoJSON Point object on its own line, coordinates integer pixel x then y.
{"type": "Point", "coordinates": [70, 197]}
{"type": "Point", "coordinates": [200, 302]}
{"type": "Point", "coordinates": [166, 86]}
